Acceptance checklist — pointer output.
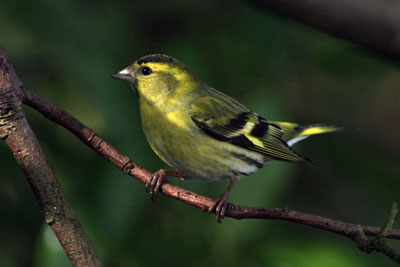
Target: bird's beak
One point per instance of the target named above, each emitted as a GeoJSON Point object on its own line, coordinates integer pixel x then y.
{"type": "Point", "coordinates": [124, 75]}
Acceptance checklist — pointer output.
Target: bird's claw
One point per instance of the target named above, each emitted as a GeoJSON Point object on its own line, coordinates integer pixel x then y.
{"type": "Point", "coordinates": [158, 179]}
{"type": "Point", "coordinates": [219, 206]}
{"type": "Point", "coordinates": [155, 182]}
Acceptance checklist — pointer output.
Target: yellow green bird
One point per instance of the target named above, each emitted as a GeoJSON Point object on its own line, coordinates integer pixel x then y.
{"type": "Point", "coordinates": [203, 133]}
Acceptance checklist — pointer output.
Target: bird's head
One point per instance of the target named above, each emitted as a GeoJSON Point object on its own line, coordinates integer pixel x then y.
{"type": "Point", "coordinates": [157, 77]}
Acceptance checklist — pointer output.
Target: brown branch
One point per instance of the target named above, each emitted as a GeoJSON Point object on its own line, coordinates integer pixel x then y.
{"type": "Point", "coordinates": [370, 23]}
{"type": "Point", "coordinates": [18, 135]}
{"type": "Point", "coordinates": [89, 137]}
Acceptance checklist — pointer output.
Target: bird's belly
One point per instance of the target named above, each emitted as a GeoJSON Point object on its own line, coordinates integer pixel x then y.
{"type": "Point", "coordinates": [197, 155]}
{"type": "Point", "coordinates": [221, 162]}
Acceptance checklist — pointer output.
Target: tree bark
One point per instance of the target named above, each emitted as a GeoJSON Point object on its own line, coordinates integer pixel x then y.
{"type": "Point", "coordinates": [18, 135]}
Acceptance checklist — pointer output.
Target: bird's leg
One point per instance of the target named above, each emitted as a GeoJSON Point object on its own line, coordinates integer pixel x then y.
{"type": "Point", "coordinates": [158, 179]}
{"type": "Point", "coordinates": [221, 203]}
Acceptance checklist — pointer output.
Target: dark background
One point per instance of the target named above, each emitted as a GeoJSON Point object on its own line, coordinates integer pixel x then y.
{"type": "Point", "coordinates": [283, 70]}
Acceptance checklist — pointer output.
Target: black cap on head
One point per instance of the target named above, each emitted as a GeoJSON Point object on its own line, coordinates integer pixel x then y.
{"type": "Point", "coordinates": [158, 58]}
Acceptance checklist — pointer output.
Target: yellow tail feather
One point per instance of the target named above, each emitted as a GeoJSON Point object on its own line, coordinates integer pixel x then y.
{"type": "Point", "coordinates": [294, 132]}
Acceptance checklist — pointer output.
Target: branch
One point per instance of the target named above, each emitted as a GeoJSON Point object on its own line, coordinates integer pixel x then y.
{"type": "Point", "coordinates": [370, 23]}
{"type": "Point", "coordinates": [18, 135]}
{"type": "Point", "coordinates": [378, 243]}
{"type": "Point", "coordinates": [123, 162]}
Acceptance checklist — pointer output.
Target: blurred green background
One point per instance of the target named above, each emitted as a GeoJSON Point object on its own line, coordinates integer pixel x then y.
{"type": "Point", "coordinates": [65, 51]}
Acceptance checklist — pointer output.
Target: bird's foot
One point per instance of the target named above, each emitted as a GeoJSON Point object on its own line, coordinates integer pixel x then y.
{"type": "Point", "coordinates": [221, 203]}
{"type": "Point", "coordinates": [158, 179]}
{"type": "Point", "coordinates": [219, 206]}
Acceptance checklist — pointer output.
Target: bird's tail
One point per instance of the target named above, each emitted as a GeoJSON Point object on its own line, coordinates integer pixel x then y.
{"type": "Point", "coordinates": [294, 132]}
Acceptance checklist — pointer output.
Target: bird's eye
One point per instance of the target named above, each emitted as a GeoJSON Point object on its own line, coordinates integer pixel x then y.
{"type": "Point", "coordinates": [146, 71]}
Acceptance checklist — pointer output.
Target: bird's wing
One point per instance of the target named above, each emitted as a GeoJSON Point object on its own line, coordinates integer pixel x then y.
{"type": "Point", "coordinates": [226, 120]}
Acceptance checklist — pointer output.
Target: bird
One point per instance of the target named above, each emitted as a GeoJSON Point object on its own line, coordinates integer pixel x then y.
{"type": "Point", "coordinates": [203, 133]}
